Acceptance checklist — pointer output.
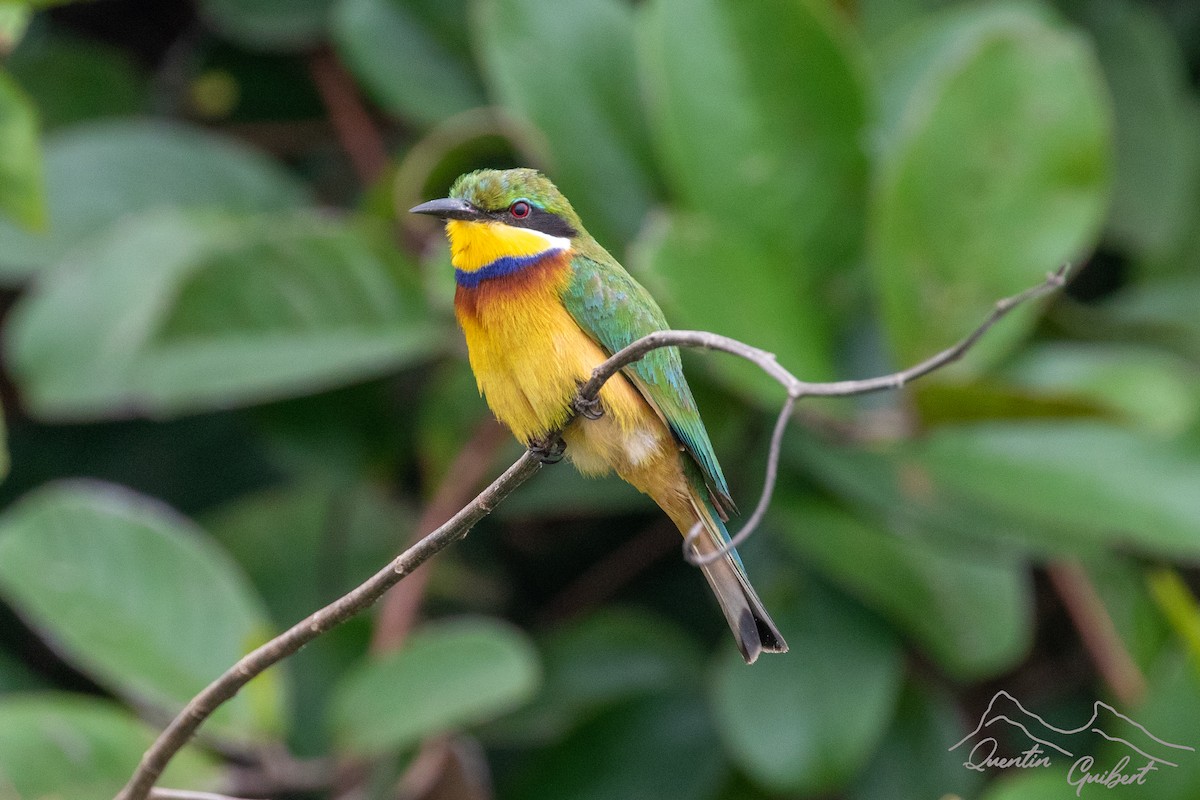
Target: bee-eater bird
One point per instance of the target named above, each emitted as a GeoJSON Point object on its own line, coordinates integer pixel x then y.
{"type": "Point", "coordinates": [542, 304]}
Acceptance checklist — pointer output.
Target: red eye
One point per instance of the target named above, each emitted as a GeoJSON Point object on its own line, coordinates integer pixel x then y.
{"type": "Point", "coordinates": [519, 209]}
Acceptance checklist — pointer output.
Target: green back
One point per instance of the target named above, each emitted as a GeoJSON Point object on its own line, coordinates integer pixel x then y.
{"type": "Point", "coordinates": [615, 311]}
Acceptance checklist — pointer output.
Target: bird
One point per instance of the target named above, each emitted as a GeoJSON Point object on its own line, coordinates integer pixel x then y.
{"type": "Point", "coordinates": [541, 304]}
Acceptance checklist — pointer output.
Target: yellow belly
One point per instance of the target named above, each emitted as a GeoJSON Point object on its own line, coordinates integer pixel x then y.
{"type": "Point", "coordinates": [529, 358]}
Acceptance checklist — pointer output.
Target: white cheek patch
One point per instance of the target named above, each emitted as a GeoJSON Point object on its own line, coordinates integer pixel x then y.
{"type": "Point", "coordinates": [553, 242]}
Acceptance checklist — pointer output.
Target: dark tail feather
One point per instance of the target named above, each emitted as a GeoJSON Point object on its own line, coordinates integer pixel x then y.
{"type": "Point", "coordinates": [749, 621]}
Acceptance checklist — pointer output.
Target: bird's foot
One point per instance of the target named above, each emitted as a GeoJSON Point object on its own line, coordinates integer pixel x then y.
{"type": "Point", "coordinates": [588, 408]}
{"type": "Point", "coordinates": [550, 451]}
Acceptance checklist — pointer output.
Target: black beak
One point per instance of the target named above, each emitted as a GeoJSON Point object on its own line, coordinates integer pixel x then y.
{"type": "Point", "coordinates": [448, 208]}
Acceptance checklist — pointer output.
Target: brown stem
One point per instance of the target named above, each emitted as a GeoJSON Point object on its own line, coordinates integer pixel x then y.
{"type": "Point", "coordinates": [355, 130]}
{"type": "Point", "coordinates": [1097, 631]}
{"type": "Point", "coordinates": [400, 605]}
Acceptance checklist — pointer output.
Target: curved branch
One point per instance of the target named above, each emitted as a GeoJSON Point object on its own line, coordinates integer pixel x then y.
{"type": "Point", "coordinates": [185, 724]}
{"type": "Point", "coordinates": [690, 553]}
{"type": "Point", "coordinates": [797, 388]}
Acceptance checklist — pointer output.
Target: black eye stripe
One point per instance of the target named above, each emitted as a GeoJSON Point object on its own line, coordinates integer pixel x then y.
{"type": "Point", "coordinates": [538, 219]}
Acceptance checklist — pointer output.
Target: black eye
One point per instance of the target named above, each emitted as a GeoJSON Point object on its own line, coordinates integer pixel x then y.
{"type": "Point", "coordinates": [519, 209]}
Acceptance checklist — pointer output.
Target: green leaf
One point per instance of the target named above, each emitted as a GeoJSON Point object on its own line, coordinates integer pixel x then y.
{"type": "Point", "coordinates": [100, 172]}
{"type": "Point", "coordinates": [1156, 131]}
{"type": "Point", "coordinates": [1181, 257]}
{"type": "Point", "coordinates": [367, 528]}
{"type": "Point", "coordinates": [1176, 602]}
{"type": "Point", "coordinates": [651, 747]}
{"type": "Point", "coordinates": [994, 169]}
{"type": "Point", "coordinates": [970, 610]}
{"type": "Point", "coordinates": [1169, 712]}
{"type": "Point", "coordinates": [1153, 389]}
{"type": "Point", "coordinates": [136, 597]}
{"type": "Point", "coordinates": [22, 194]}
{"type": "Point", "coordinates": [712, 277]}
{"type": "Point", "coordinates": [71, 80]}
{"type": "Point", "coordinates": [601, 660]}
{"type": "Point", "coordinates": [913, 759]}
{"type": "Point", "coordinates": [16, 676]}
{"type": "Point", "coordinates": [14, 21]}
{"type": "Point", "coordinates": [270, 24]}
{"type": "Point", "coordinates": [611, 655]}
{"type": "Point", "coordinates": [1103, 483]}
{"type": "Point", "coordinates": [60, 745]}
{"type": "Point", "coordinates": [572, 72]}
{"type": "Point", "coordinates": [806, 721]}
{"type": "Point", "coordinates": [880, 19]}
{"type": "Point", "coordinates": [447, 675]}
{"type": "Point", "coordinates": [335, 538]}
{"type": "Point", "coordinates": [1162, 311]}
{"type": "Point", "coordinates": [413, 57]}
{"type": "Point", "coordinates": [892, 485]}
{"type": "Point", "coordinates": [174, 312]}
{"type": "Point", "coordinates": [5, 455]}
{"type": "Point", "coordinates": [758, 112]}
{"type": "Point", "coordinates": [1121, 583]}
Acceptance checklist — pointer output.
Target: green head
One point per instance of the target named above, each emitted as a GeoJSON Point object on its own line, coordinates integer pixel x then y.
{"type": "Point", "coordinates": [523, 198]}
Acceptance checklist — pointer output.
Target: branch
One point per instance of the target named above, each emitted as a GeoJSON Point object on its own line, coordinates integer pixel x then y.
{"type": "Point", "coordinates": [173, 738]}
{"type": "Point", "coordinates": [185, 724]}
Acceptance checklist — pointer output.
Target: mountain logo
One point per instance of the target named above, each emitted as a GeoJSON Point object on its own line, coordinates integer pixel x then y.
{"type": "Point", "coordinates": [1006, 717]}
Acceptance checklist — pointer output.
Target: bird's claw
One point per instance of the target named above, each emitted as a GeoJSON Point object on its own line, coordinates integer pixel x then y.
{"type": "Point", "coordinates": [549, 451]}
{"type": "Point", "coordinates": [589, 408]}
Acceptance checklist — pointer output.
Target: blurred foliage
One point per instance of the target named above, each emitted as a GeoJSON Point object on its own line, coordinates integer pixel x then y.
{"type": "Point", "coordinates": [214, 302]}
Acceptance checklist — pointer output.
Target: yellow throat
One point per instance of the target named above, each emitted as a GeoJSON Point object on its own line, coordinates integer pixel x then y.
{"type": "Point", "coordinates": [475, 245]}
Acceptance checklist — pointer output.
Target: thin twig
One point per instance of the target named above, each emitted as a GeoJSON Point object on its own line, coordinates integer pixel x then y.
{"type": "Point", "coordinates": [692, 554]}
{"type": "Point", "coordinates": [181, 729]}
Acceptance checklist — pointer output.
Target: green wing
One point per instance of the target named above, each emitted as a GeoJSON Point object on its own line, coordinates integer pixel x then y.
{"type": "Point", "coordinates": [615, 311]}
